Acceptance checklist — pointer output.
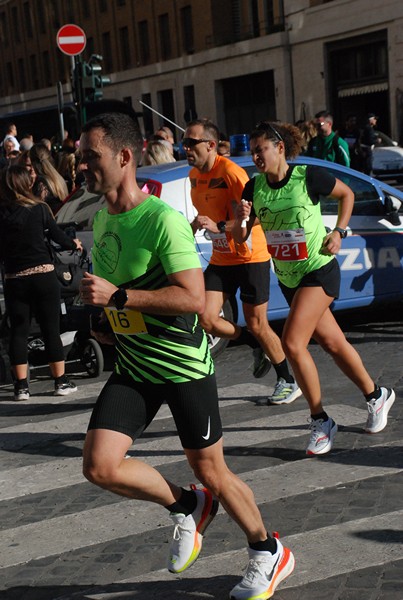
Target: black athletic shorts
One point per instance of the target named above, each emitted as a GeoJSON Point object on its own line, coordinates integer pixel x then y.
{"type": "Point", "coordinates": [253, 279]}
{"type": "Point", "coordinates": [128, 406]}
{"type": "Point", "coordinates": [328, 277]}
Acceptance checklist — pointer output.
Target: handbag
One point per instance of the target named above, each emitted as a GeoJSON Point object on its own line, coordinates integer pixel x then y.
{"type": "Point", "coordinates": [69, 274]}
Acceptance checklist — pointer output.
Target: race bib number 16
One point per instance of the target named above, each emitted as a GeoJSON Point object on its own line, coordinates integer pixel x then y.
{"type": "Point", "coordinates": [289, 245]}
{"type": "Point", "coordinates": [125, 322]}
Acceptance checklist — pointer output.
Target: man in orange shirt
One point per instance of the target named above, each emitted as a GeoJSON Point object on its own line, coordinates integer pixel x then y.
{"type": "Point", "coordinates": [216, 188]}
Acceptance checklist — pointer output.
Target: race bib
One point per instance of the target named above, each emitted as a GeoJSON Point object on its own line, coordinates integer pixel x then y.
{"type": "Point", "coordinates": [125, 322]}
{"type": "Point", "coordinates": [220, 243]}
{"type": "Point", "coordinates": [289, 245]}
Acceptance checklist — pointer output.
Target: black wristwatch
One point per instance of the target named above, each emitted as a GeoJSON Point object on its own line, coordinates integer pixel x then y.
{"type": "Point", "coordinates": [343, 232]}
{"type": "Point", "coordinates": [221, 225]}
{"type": "Point", "coordinates": [119, 298]}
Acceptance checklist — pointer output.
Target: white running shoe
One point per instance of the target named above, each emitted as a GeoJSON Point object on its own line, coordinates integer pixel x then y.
{"type": "Point", "coordinates": [188, 533]}
{"type": "Point", "coordinates": [284, 393]}
{"type": "Point", "coordinates": [322, 435]}
{"type": "Point", "coordinates": [263, 574]}
{"type": "Point", "coordinates": [65, 388]}
{"type": "Point", "coordinates": [378, 411]}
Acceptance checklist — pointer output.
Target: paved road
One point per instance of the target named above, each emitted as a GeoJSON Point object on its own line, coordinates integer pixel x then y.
{"type": "Point", "coordinates": [342, 514]}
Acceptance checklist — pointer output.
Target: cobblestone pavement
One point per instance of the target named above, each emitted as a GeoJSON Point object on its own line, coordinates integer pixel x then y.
{"type": "Point", "coordinates": [342, 514]}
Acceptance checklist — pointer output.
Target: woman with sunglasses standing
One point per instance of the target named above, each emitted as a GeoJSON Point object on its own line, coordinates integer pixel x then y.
{"type": "Point", "coordinates": [285, 199]}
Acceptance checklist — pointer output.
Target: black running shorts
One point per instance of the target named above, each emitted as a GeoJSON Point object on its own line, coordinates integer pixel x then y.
{"type": "Point", "coordinates": [128, 406]}
{"type": "Point", "coordinates": [327, 277]}
{"type": "Point", "coordinates": [253, 279]}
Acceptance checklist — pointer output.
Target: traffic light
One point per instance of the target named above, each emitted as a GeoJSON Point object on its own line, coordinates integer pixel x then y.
{"type": "Point", "coordinates": [99, 80]}
{"type": "Point", "coordinates": [87, 84]}
{"type": "Point", "coordinates": [92, 80]}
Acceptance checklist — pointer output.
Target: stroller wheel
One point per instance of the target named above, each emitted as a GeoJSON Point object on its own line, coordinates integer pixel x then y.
{"type": "Point", "coordinates": [92, 358]}
{"type": "Point", "coordinates": [5, 369]}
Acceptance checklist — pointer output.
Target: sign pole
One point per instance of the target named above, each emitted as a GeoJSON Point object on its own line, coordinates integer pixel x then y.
{"type": "Point", "coordinates": [60, 104]}
{"type": "Point", "coordinates": [71, 40]}
{"type": "Point", "coordinates": [78, 79]}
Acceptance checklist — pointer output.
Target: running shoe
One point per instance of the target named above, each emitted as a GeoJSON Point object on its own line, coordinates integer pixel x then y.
{"type": "Point", "coordinates": [64, 388]}
{"type": "Point", "coordinates": [261, 363]}
{"type": "Point", "coordinates": [322, 435]}
{"type": "Point", "coordinates": [378, 411]}
{"type": "Point", "coordinates": [284, 393]}
{"type": "Point", "coordinates": [264, 573]}
{"type": "Point", "coordinates": [21, 390]}
{"type": "Point", "coordinates": [188, 533]}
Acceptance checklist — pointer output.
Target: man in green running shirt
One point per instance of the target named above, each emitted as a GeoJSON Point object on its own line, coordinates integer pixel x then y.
{"type": "Point", "coordinates": [148, 279]}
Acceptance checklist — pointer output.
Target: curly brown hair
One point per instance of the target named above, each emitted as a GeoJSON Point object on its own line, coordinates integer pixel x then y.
{"type": "Point", "coordinates": [287, 133]}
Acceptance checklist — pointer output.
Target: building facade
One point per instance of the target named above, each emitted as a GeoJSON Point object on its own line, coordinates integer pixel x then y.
{"type": "Point", "coordinates": [235, 61]}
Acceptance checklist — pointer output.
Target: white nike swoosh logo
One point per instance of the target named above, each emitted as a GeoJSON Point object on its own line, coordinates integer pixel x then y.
{"type": "Point", "coordinates": [206, 437]}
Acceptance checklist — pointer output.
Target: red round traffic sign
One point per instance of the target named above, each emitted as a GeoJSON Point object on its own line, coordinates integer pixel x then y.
{"type": "Point", "coordinates": [71, 39]}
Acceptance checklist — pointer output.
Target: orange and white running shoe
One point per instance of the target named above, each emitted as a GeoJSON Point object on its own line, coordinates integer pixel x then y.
{"type": "Point", "coordinates": [264, 573]}
{"type": "Point", "coordinates": [188, 533]}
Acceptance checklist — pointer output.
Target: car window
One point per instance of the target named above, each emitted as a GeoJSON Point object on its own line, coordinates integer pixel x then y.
{"type": "Point", "coordinates": [81, 208]}
{"type": "Point", "coordinates": [366, 198]}
{"type": "Point", "coordinates": [367, 201]}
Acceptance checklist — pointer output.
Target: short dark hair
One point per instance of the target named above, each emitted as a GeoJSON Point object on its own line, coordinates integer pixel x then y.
{"type": "Point", "coordinates": [210, 129]}
{"type": "Point", "coordinates": [324, 114]}
{"type": "Point", "coordinates": [120, 131]}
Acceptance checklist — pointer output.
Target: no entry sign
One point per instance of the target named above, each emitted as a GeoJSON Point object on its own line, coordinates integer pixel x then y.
{"type": "Point", "coordinates": [71, 39]}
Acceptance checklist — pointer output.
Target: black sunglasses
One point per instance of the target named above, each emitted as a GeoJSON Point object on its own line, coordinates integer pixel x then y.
{"type": "Point", "coordinates": [268, 127]}
{"type": "Point", "coordinates": [192, 142]}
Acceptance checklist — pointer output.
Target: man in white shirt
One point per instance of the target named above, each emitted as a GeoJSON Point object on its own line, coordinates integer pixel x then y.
{"type": "Point", "coordinates": [11, 134]}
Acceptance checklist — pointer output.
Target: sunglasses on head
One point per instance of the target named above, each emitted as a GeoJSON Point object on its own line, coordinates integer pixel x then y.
{"type": "Point", "coordinates": [268, 127]}
{"type": "Point", "coordinates": [188, 142]}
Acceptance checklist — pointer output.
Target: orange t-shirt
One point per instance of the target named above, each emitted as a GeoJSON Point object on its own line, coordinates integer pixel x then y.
{"type": "Point", "coordinates": [216, 195]}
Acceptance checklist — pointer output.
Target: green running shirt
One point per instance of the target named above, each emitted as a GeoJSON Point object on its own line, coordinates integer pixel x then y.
{"type": "Point", "coordinates": [137, 250]}
{"type": "Point", "coordinates": [289, 207]}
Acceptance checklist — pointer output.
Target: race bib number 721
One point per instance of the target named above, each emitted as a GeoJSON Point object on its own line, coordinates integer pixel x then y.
{"type": "Point", "coordinates": [287, 245]}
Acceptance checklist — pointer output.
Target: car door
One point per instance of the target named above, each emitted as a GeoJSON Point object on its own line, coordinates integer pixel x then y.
{"type": "Point", "coordinates": [370, 257]}
{"type": "Point", "coordinates": [79, 211]}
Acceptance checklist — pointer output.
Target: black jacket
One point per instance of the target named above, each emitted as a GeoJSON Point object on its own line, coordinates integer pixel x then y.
{"type": "Point", "coordinates": [22, 237]}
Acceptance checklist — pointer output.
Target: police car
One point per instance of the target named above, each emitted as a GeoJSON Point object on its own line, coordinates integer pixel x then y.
{"type": "Point", "coordinates": [371, 257]}
{"type": "Point", "coordinates": [387, 159]}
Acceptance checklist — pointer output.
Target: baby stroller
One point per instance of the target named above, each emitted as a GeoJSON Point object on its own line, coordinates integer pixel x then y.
{"type": "Point", "coordinates": [80, 349]}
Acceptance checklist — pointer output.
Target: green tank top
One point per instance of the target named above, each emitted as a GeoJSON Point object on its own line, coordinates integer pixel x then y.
{"type": "Point", "coordinates": [293, 225]}
{"type": "Point", "coordinates": [138, 249]}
